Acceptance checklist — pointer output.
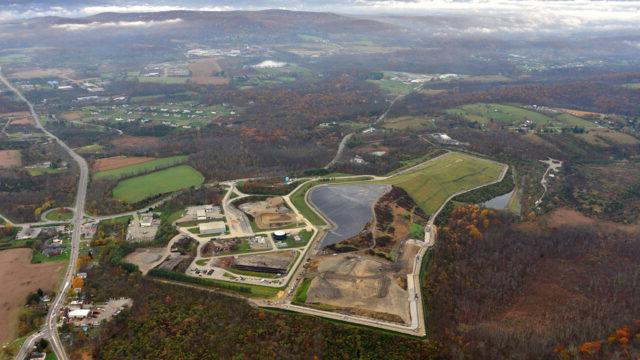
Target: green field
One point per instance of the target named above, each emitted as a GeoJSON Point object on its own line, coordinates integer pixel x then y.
{"type": "Point", "coordinates": [13, 58]}
{"type": "Point", "coordinates": [635, 86]}
{"type": "Point", "coordinates": [512, 115]}
{"type": "Point", "coordinates": [141, 168]}
{"type": "Point", "coordinates": [435, 181]}
{"type": "Point", "coordinates": [90, 149]}
{"type": "Point", "coordinates": [139, 188]}
{"type": "Point", "coordinates": [394, 87]}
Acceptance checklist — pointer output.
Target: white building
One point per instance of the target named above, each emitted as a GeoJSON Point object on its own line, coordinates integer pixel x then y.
{"type": "Point", "coordinates": [79, 313]}
{"type": "Point", "coordinates": [214, 227]}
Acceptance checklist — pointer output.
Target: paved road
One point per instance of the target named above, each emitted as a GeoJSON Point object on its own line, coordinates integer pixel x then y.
{"type": "Point", "coordinates": [50, 329]}
{"type": "Point", "coordinates": [341, 148]}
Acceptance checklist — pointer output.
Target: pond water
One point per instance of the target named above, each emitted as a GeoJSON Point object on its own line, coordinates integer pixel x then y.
{"type": "Point", "coordinates": [498, 202]}
{"type": "Point", "coordinates": [348, 206]}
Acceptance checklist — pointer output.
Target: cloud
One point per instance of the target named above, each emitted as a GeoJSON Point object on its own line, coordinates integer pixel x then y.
{"type": "Point", "coordinates": [114, 24]}
{"type": "Point", "coordinates": [145, 8]}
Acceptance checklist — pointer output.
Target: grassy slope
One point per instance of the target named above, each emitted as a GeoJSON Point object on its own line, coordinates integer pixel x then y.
{"type": "Point", "coordinates": [141, 168]}
{"type": "Point", "coordinates": [164, 181]}
{"type": "Point", "coordinates": [438, 179]}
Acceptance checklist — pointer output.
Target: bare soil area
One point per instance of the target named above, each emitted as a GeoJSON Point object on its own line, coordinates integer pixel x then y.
{"type": "Point", "coordinates": [579, 113]}
{"type": "Point", "coordinates": [19, 278]}
{"type": "Point", "coordinates": [203, 72]}
{"type": "Point", "coordinates": [10, 159]}
{"type": "Point", "coordinates": [72, 116]}
{"type": "Point", "coordinates": [145, 258]}
{"type": "Point", "coordinates": [117, 162]}
{"type": "Point", "coordinates": [361, 285]}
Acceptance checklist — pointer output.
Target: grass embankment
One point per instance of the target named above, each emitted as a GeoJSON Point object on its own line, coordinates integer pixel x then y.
{"type": "Point", "coordinates": [145, 167]}
{"type": "Point", "coordinates": [431, 184]}
{"type": "Point", "coordinates": [59, 215]}
{"type": "Point", "coordinates": [298, 197]}
{"type": "Point", "coordinates": [300, 296]}
{"type": "Point", "coordinates": [244, 289]}
{"type": "Point", "coordinates": [139, 188]}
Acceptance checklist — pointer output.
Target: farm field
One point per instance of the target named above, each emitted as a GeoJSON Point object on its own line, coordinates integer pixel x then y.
{"type": "Point", "coordinates": [162, 79]}
{"type": "Point", "coordinates": [116, 162]}
{"type": "Point", "coordinates": [15, 267]}
{"type": "Point", "coordinates": [436, 180]}
{"type": "Point", "coordinates": [406, 123]}
{"type": "Point", "coordinates": [136, 165]}
{"type": "Point", "coordinates": [204, 72]}
{"type": "Point", "coordinates": [138, 188]}
{"type": "Point", "coordinates": [605, 138]}
{"type": "Point", "coordinates": [513, 115]}
{"type": "Point", "coordinates": [635, 86]}
{"type": "Point", "coordinates": [10, 159]}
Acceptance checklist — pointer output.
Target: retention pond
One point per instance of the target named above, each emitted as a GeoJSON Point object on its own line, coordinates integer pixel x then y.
{"type": "Point", "coordinates": [348, 206]}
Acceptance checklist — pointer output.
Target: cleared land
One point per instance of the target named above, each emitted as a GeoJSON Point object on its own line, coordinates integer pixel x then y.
{"type": "Point", "coordinates": [203, 72]}
{"type": "Point", "coordinates": [605, 138]}
{"type": "Point", "coordinates": [138, 188]}
{"type": "Point", "coordinates": [10, 159]}
{"type": "Point", "coordinates": [512, 115]}
{"type": "Point", "coordinates": [433, 182]}
{"type": "Point", "coordinates": [19, 278]}
{"type": "Point", "coordinates": [117, 162]}
{"type": "Point", "coordinates": [146, 258]}
{"type": "Point", "coordinates": [406, 123]}
{"type": "Point", "coordinates": [124, 143]}
{"type": "Point", "coordinates": [138, 165]}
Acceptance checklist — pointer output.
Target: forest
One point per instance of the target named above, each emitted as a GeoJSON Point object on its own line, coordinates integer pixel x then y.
{"type": "Point", "coordinates": [530, 289]}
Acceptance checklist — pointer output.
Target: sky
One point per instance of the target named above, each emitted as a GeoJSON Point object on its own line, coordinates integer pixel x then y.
{"type": "Point", "coordinates": [605, 15]}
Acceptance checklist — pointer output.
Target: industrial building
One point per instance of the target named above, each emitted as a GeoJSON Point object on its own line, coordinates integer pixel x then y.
{"type": "Point", "coordinates": [214, 227]}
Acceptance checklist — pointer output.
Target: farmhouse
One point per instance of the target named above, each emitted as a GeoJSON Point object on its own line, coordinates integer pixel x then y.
{"type": "Point", "coordinates": [214, 227]}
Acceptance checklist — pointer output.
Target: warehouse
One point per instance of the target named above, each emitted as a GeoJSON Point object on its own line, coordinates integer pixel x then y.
{"type": "Point", "coordinates": [214, 227]}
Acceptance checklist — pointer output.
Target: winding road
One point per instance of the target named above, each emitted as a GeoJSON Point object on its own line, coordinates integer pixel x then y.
{"type": "Point", "coordinates": [50, 329]}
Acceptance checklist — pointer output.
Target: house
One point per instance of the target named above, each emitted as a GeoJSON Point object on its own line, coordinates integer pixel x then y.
{"type": "Point", "coordinates": [214, 227]}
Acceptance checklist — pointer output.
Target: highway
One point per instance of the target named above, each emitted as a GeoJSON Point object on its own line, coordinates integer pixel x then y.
{"type": "Point", "coordinates": [50, 329]}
